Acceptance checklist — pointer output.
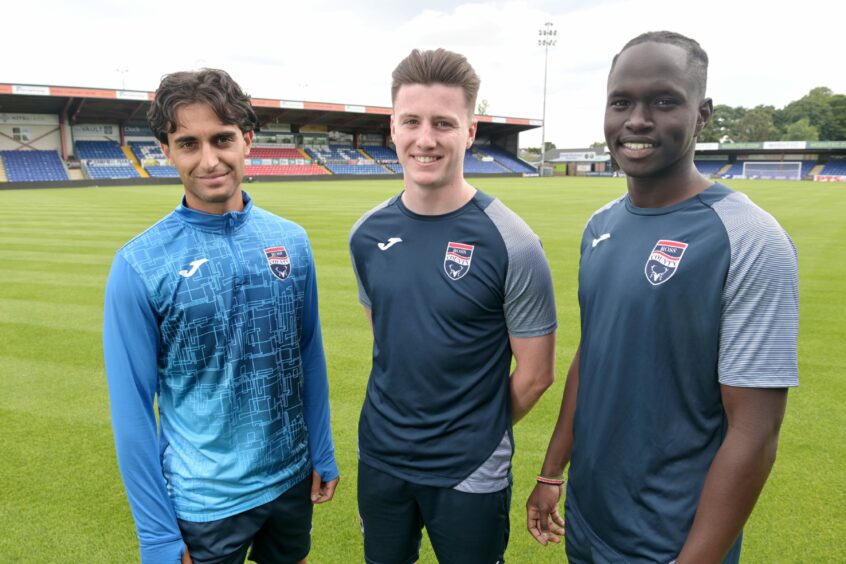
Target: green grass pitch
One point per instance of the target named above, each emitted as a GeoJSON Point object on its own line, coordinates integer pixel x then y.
{"type": "Point", "coordinates": [61, 498]}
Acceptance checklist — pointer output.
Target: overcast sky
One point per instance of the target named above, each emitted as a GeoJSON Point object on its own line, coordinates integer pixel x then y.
{"type": "Point", "coordinates": [344, 51]}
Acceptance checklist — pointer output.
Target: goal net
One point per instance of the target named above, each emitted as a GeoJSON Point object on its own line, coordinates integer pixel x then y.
{"type": "Point", "coordinates": [782, 170]}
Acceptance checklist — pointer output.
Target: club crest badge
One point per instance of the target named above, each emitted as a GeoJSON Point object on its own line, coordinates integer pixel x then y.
{"type": "Point", "coordinates": [278, 261]}
{"type": "Point", "coordinates": [457, 260]}
{"type": "Point", "coordinates": [663, 261]}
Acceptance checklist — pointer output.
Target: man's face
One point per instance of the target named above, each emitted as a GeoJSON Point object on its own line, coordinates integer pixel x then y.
{"type": "Point", "coordinates": [432, 128]}
{"type": "Point", "coordinates": [209, 156]}
{"type": "Point", "coordinates": [654, 111]}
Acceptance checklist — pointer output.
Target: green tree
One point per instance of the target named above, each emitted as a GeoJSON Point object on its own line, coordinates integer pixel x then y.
{"type": "Point", "coordinates": [838, 110]}
{"type": "Point", "coordinates": [816, 106]}
{"type": "Point", "coordinates": [482, 108]}
{"type": "Point", "coordinates": [598, 146]}
{"type": "Point", "coordinates": [801, 130]}
{"type": "Point", "coordinates": [723, 125]}
{"type": "Point", "coordinates": [757, 125]}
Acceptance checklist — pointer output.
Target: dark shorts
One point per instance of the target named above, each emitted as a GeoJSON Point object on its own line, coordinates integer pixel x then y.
{"type": "Point", "coordinates": [278, 531]}
{"type": "Point", "coordinates": [463, 528]}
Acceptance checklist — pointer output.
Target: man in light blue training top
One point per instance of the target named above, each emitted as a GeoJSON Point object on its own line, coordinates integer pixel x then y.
{"type": "Point", "coordinates": [454, 283]}
{"type": "Point", "coordinates": [689, 311]}
{"type": "Point", "coordinates": [212, 313]}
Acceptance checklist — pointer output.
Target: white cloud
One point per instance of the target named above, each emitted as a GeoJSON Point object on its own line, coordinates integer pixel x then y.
{"type": "Point", "coordinates": [332, 51]}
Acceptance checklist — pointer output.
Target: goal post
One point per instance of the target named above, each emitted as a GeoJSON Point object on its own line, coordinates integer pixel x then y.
{"type": "Point", "coordinates": [781, 170]}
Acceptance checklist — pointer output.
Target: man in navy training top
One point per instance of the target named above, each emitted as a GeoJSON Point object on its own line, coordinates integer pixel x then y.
{"type": "Point", "coordinates": [213, 313]}
{"type": "Point", "coordinates": [689, 317]}
{"type": "Point", "coordinates": [454, 284]}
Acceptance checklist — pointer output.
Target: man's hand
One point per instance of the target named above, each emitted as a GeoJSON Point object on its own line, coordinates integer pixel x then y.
{"type": "Point", "coordinates": [541, 506]}
{"type": "Point", "coordinates": [186, 558]}
{"type": "Point", "coordinates": [321, 491]}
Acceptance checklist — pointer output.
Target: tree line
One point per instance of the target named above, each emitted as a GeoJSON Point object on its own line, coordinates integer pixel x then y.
{"type": "Point", "coordinates": [819, 115]}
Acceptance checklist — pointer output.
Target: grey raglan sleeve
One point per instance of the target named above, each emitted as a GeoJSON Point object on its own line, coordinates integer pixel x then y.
{"type": "Point", "coordinates": [760, 304]}
{"type": "Point", "coordinates": [529, 294]}
{"type": "Point", "coordinates": [358, 252]}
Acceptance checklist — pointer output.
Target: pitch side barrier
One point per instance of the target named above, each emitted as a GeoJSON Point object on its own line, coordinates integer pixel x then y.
{"type": "Point", "coordinates": [101, 183]}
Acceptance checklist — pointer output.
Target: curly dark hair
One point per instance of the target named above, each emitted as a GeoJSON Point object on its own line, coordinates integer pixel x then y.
{"type": "Point", "coordinates": [206, 86]}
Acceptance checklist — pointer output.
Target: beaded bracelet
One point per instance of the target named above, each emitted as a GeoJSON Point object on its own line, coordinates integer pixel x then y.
{"type": "Point", "coordinates": [550, 481]}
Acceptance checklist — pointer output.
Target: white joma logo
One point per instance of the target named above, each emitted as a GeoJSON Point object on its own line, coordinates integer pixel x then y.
{"type": "Point", "coordinates": [601, 238]}
{"type": "Point", "coordinates": [391, 242]}
{"type": "Point", "coordinates": [195, 264]}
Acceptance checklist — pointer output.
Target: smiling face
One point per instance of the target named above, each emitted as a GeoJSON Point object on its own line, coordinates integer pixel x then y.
{"type": "Point", "coordinates": [209, 156]}
{"type": "Point", "coordinates": [432, 128]}
{"type": "Point", "coordinates": [654, 112]}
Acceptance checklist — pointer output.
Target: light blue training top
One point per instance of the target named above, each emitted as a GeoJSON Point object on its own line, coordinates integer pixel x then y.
{"type": "Point", "coordinates": [215, 317]}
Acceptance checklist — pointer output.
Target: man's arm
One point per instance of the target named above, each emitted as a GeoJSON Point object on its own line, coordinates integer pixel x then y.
{"type": "Point", "coordinates": [543, 501]}
{"type": "Point", "coordinates": [321, 449]}
{"type": "Point", "coordinates": [130, 345]}
{"type": "Point", "coordinates": [738, 472]}
{"type": "Point", "coordinates": [534, 371]}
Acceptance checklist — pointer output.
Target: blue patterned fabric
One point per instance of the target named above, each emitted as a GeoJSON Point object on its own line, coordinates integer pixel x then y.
{"type": "Point", "coordinates": [216, 316]}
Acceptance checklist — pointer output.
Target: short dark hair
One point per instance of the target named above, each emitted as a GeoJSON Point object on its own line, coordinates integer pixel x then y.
{"type": "Point", "coordinates": [437, 66]}
{"type": "Point", "coordinates": [697, 58]}
{"type": "Point", "coordinates": [205, 86]}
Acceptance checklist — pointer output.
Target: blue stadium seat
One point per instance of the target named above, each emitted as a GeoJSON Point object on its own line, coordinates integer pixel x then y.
{"type": "Point", "coordinates": [709, 168]}
{"type": "Point", "coordinates": [33, 166]}
{"type": "Point", "coordinates": [474, 164]}
{"type": "Point", "coordinates": [506, 159]}
{"type": "Point", "coordinates": [162, 171]}
{"type": "Point", "coordinates": [835, 167]}
{"type": "Point", "coordinates": [102, 150]}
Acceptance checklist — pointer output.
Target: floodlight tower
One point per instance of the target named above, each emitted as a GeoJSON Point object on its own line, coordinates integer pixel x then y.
{"type": "Point", "coordinates": [122, 73]}
{"type": "Point", "coordinates": [547, 37]}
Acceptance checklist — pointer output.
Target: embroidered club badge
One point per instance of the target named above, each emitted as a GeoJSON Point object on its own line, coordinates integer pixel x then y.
{"type": "Point", "coordinates": [457, 260]}
{"type": "Point", "coordinates": [663, 261]}
{"type": "Point", "coordinates": [278, 261]}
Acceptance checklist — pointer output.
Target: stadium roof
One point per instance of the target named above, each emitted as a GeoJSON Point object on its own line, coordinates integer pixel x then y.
{"type": "Point", "coordinates": [97, 105]}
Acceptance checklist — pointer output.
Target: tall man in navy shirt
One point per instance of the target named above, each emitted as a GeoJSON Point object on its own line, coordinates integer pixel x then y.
{"type": "Point", "coordinates": [689, 317]}
{"type": "Point", "coordinates": [455, 284]}
{"type": "Point", "coordinates": [213, 313]}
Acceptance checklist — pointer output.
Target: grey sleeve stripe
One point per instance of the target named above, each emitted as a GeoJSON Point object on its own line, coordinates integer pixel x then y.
{"type": "Point", "coordinates": [362, 295]}
{"type": "Point", "coordinates": [529, 294]}
{"type": "Point", "coordinates": [760, 302]}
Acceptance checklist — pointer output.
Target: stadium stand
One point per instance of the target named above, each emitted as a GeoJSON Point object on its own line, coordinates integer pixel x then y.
{"type": "Point", "coordinates": [709, 168]}
{"type": "Point", "coordinates": [473, 163]}
{"type": "Point", "coordinates": [835, 167]}
{"type": "Point", "coordinates": [345, 159]}
{"type": "Point", "coordinates": [274, 153]}
{"type": "Point", "coordinates": [99, 150]}
{"type": "Point", "coordinates": [356, 168]}
{"type": "Point", "coordinates": [334, 153]}
{"type": "Point", "coordinates": [280, 161]}
{"type": "Point", "coordinates": [146, 150]}
{"type": "Point", "coordinates": [284, 170]}
{"type": "Point", "coordinates": [110, 172]}
{"type": "Point", "coordinates": [33, 166]}
{"type": "Point", "coordinates": [104, 160]}
{"type": "Point", "coordinates": [162, 171]}
{"type": "Point", "coordinates": [505, 159]}
{"type": "Point", "coordinates": [806, 167]}
{"type": "Point", "coordinates": [380, 153]}
{"type": "Point", "coordinates": [151, 150]}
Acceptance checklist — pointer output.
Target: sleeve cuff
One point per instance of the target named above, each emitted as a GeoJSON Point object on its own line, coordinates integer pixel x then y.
{"type": "Point", "coordinates": [163, 553]}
